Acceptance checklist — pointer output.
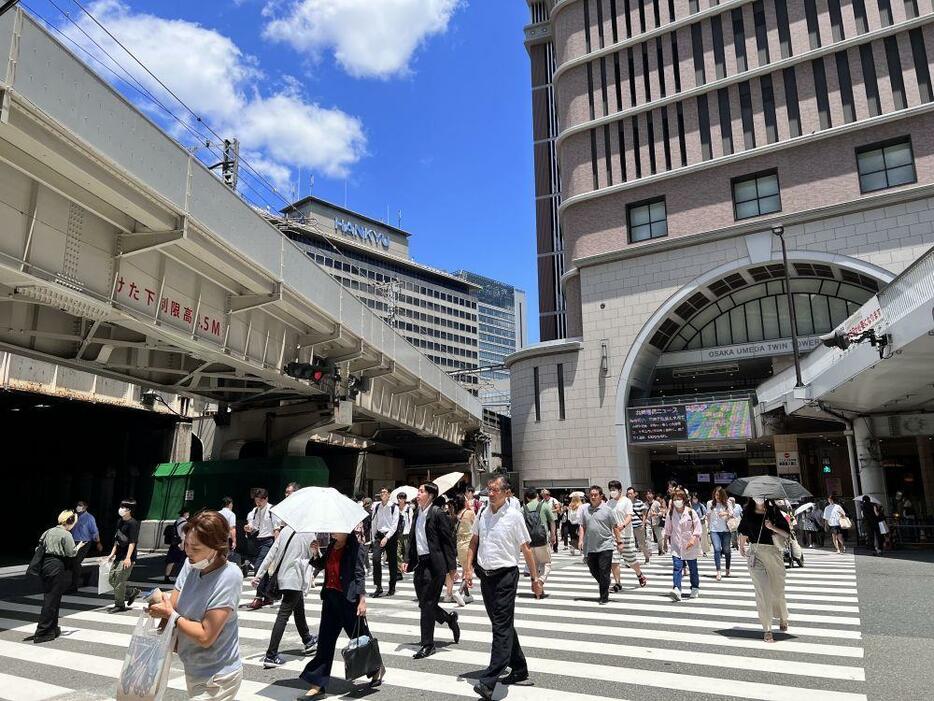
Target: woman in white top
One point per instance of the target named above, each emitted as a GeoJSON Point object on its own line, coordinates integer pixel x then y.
{"type": "Point", "coordinates": [574, 523]}
{"type": "Point", "coordinates": [287, 561]}
{"type": "Point", "coordinates": [718, 516]}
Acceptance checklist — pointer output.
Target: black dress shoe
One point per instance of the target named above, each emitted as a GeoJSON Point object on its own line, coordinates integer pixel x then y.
{"type": "Point", "coordinates": [378, 593]}
{"type": "Point", "coordinates": [519, 679]}
{"type": "Point", "coordinates": [38, 639]}
{"type": "Point", "coordinates": [424, 651]}
{"type": "Point", "coordinates": [455, 627]}
{"type": "Point", "coordinates": [391, 592]}
{"type": "Point", "coordinates": [483, 691]}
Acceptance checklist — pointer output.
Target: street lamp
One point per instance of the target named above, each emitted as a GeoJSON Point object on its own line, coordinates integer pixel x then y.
{"type": "Point", "coordinates": [779, 231]}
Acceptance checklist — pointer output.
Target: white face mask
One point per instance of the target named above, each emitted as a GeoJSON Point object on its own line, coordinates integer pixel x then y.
{"type": "Point", "coordinates": [614, 494]}
{"type": "Point", "coordinates": [121, 512]}
{"type": "Point", "coordinates": [202, 564]}
{"type": "Point", "coordinates": [79, 509]}
{"type": "Point", "coordinates": [679, 503]}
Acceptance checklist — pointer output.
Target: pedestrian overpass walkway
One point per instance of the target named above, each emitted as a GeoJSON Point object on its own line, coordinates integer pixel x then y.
{"type": "Point", "coordinates": [867, 379]}
{"type": "Point", "coordinates": [122, 255]}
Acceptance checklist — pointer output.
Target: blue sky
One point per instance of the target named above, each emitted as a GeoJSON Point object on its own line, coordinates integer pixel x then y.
{"type": "Point", "coordinates": [417, 105]}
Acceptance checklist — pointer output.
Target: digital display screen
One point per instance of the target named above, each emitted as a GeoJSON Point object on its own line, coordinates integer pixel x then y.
{"type": "Point", "coordinates": [702, 421]}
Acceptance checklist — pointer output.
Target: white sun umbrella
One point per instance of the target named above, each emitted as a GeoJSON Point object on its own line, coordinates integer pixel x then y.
{"type": "Point", "coordinates": [447, 482]}
{"type": "Point", "coordinates": [319, 510]}
{"type": "Point", "coordinates": [874, 500]}
{"type": "Point", "coordinates": [804, 507]}
{"type": "Point", "coordinates": [578, 494]}
{"type": "Point", "coordinates": [410, 493]}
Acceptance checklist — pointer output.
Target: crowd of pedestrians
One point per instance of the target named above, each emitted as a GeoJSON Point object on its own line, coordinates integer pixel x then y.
{"type": "Point", "coordinates": [442, 544]}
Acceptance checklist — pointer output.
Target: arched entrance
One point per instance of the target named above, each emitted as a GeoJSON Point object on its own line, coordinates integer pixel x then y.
{"type": "Point", "coordinates": [737, 311]}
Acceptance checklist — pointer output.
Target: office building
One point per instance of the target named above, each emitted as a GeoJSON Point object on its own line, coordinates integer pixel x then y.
{"type": "Point", "coordinates": [432, 309]}
{"type": "Point", "coordinates": [502, 314]}
{"type": "Point", "coordinates": [690, 133]}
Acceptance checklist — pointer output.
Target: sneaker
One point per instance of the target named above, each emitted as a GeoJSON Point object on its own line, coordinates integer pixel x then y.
{"type": "Point", "coordinates": [447, 599]}
{"type": "Point", "coordinates": [695, 592]}
{"type": "Point", "coordinates": [311, 646]}
{"type": "Point", "coordinates": [458, 599]}
{"type": "Point", "coordinates": [274, 661]}
{"type": "Point", "coordinates": [675, 594]}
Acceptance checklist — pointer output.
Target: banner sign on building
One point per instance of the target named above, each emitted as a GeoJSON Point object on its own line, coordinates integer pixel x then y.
{"type": "Point", "coordinates": [741, 351]}
{"type": "Point", "coordinates": [723, 477]}
{"type": "Point", "coordinates": [702, 421]}
{"type": "Point", "coordinates": [868, 316]}
{"type": "Point", "coordinates": [787, 462]}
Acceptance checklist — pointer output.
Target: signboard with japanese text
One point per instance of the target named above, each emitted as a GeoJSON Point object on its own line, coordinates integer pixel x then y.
{"type": "Point", "coordinates": [787, 462]}
{"type": "Point", "coordinates": [715, 420]}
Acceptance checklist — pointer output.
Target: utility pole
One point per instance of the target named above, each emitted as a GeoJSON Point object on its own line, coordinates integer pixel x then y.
{"type": "Point", "coordinates": [230, 166]}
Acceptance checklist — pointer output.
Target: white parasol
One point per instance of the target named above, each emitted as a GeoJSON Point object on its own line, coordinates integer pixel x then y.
{"type": "Point", "coordinates": [447, 482]}
{"type": "Point", "coordinates": [874, 500]}
{"type": "Point", "coordinates": [579, 494]}
{"type": "Point", "coordinates": [319, 510]}
{"type": "Point", "coordinates": [804, 507]}
{"type": "Point", "coordinates": [410, 493]}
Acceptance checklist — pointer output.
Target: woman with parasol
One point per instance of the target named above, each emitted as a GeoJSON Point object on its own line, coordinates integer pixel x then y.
{"type": "Point", "coordinates": [762, 533]}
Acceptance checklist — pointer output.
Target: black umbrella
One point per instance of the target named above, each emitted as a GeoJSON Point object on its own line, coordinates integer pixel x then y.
{"type": "Point", "coordinates": [768, 487]}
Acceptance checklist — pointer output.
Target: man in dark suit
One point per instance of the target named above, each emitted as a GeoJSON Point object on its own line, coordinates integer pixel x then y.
{"type": "Point", "coordinates": [431, 555]}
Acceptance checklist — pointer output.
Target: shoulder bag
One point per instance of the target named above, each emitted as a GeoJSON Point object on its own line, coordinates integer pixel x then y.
{"type": "Point", "coordinates": [361, 656]}
{"type": "Point", "coordinates": [272, 586]}
{"type": "Point", "coordinates": [845, 522]}
{"type": "Point", "coordinates": [35, 565]}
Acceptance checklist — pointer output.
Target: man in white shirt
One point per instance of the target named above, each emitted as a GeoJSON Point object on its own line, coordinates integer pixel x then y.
{"type": "Point", "coordinates": [263, 527]}
{"type": "Point", "coordinates": [402, 531]}
{"type": "Point", "coordinates": [626, 545]}
{"type": "Point", "coordinates": [499, 533]}
{"type": "Point", "coordinates": [383, 527]}
{"type": "Point", "coordinates": [231, 518]}
{"type": "Point", "coordinates": [832, 513]}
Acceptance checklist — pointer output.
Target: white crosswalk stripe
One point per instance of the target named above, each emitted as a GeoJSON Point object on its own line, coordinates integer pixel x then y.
{"type": "Point", "coordinates": [641, 645]}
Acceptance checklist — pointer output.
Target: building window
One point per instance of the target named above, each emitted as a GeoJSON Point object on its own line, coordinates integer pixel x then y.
{"type": "Point", "coordinates": [726, 123]}
{"type": "Point", "coordinates": [703, 125]}
{"type": "Point", "coordinates": [762, 41]}
{"type": "Point", "coordinates": [885, 165]}
{"type": "Point", "coordinates": [739, 40]}
{"type": "Point", "coordinates": [784, 33]}
{"type": "Point", "coordinates": [561, 391]}
{"type": "Point", "coordinates": [755, 195]}
{"type": "Point", "coordinates": [869, 80]}
{"type": "Point", "coordinates": [697, 43]}
{"type": "Point", "coordinates": [719, 56]}
{"type": "Point", "coordinates": [537, 390]}
{"type": "Point", "coordinates": [768, 109]}
{"type": "Point", "coordinates": [846, 86]}
{"type": "Point", "coordinates": [921, 65]}
{"type": "Point", "coordinates": [810, 13]}
{"type": "Point", "coordinates": [647, 220]}
{"type": "Point", "coordinates": [820, 87]}
{"type": "Point", "coordinates": [894, 61]}
{"type": "Point", "coordinates": [862, 21]}
{"type": "Point", "coordinates": [836, 20]}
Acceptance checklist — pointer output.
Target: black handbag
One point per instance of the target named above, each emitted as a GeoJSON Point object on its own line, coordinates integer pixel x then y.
{"type": "Point", "coordinates": [35, 565]}
{"type": "Point", "coordinates": [361, 660]}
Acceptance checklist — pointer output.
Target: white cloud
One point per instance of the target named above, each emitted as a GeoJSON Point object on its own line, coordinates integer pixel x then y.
{"type": "Point", "coordinates": [279, 129]}
{"type": "Point", "coordinates": [369, 38]}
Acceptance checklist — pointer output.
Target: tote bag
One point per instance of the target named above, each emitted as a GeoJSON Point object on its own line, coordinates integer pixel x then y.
{"type": "Point", "coordinates": [145, 672]}
{"type": "Point", "coordinates": [361, 656]}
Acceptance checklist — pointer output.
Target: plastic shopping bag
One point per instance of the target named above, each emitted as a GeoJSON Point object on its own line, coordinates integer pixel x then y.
{"type": "Point", "coordinates": [103, 576]}
{"type": "Point", "coordinates": [145, 672]}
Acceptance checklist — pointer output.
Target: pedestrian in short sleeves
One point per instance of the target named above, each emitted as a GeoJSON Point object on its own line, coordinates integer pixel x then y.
{"type": "Point", "coordinates": [123, 557]}
{"type": "Point", "coordinates": [599, 533]}
{"type": "Point", "coordinates": [203, 607]}
{"type": "Point", "coordinates": [499, 535]}
{"type": "Point", "coordinates": [683, 530]}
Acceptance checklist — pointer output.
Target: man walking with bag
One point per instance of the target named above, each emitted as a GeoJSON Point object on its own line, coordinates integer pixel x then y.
{"type": "Point", "coordinates": [262, 527]}
{"type": "Point", "coordinates": [431, 556]}
{"type": "Point", "coordinates": [123, 556]}
{"type": "Point", "coordinates": [384, 534]}
{"type": "Point", "coordinates": [499, 533]}
{"type": "Point", "coordinates": [540, 523]}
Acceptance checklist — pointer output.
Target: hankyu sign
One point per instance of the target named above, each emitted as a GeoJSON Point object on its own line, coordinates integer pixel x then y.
{"type": "Point", "coordinates": [755, 349]}
{"type": "Point", "coordinates": [361, 232]}
{"type": "Point", "coordinates": [787, 462]}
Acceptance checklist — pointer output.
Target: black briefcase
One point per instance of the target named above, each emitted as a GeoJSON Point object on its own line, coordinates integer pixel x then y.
{"type": "Point", "coordinates": [361, 656]}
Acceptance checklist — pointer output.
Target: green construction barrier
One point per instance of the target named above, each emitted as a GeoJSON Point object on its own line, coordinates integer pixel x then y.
{"type": "Point", "coordinates": [200, 485]}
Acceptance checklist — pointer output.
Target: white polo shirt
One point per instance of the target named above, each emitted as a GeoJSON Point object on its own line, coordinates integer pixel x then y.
{"type": "Point", "coordinates": [264, 521]}
{"type": "Point", "coordinates": [385, 519]}
{"type": "Point", "coordinates": [230, 516]}
{"type": "Point", "coordinates": [501, 536]}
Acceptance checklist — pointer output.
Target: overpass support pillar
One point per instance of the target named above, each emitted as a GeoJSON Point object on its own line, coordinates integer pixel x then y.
{"type": "Point", "coordinates": [926, 460]}
{"type": "Point", "coordinates": [181, 442]}
{"type": "Point", "coordinates": [871, 472]}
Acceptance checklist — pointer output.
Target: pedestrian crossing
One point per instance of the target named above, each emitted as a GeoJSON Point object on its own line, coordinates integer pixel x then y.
{"type": "Point", "coordinates": [640, 646]}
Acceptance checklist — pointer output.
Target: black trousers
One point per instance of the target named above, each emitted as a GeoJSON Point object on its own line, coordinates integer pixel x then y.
{"type": "Point", "coordinates": [293, 604]}
{"type": "Point", "coordinates": [337, 614]}
{"type": "Point", "coordinates": [79, 563]}
{"type": "Point", "coordinates": [599, 564]}
{"type": "Point", "coordinates": [499, 598]}
{"type": "Point", "coordinates": [56, 579]}
{"type": "Point", "coordinates": [263, 545]}
{"type": "Point", "coordinates": [392, 556]}
{"type": "Point", "coordinates": [428, 586]}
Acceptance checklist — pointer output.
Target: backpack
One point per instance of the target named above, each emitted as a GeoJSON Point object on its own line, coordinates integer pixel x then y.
{"type": "Point", "coordinates": [538, 534]}
{"type": "Point", "coordinates": [170, 533]}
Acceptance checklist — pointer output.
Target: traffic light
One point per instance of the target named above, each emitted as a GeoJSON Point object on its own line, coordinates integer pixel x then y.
{"type": "Point", "coordinates": [317, 371]}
